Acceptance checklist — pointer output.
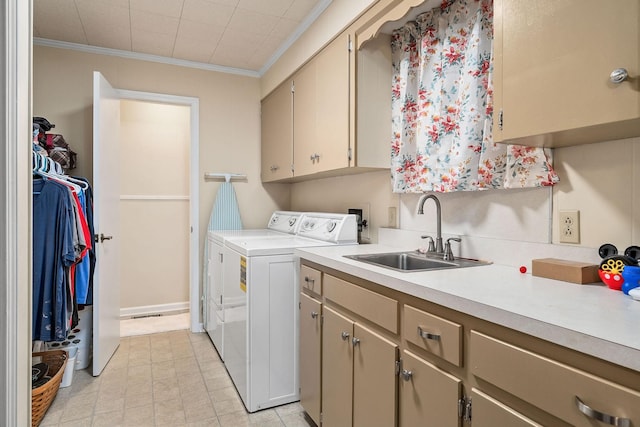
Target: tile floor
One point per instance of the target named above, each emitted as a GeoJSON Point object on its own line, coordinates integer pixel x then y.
{"type": "Point", "coordinates": [166, 379]}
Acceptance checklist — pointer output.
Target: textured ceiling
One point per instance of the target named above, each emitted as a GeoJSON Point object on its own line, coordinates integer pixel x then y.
{"type": "Point", "coordinates": [243, 34]}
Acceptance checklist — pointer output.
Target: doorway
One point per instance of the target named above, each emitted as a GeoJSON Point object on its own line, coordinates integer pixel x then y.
{"type": "Point", "coordinates": [167, 197]}
{"type": "Point", "coordinates": [154, 212]}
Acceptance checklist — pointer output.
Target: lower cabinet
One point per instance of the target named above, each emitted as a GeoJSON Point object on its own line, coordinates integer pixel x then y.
{"type": "Point", "coordinates": [310, 352]}
{"type": "Point", "coordinates": [428, 395]}
{"type": "Point", "coordinates": [371, 356]}
{"type": "Point", "coordinates": [572, 395]}
{"type": "Point", "coordinates": [359, 379]}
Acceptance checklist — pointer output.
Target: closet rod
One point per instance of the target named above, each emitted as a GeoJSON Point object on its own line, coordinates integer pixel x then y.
{"type": "Point", "coordinates": [225, 176]}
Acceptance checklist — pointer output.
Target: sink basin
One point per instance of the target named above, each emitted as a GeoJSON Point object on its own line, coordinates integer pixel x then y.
{"type": "Point", "coordinates": [414, 261]}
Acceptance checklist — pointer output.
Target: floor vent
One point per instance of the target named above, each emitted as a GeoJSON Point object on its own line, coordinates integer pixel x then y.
{"type": "Point", "coordinates": [142, 316]}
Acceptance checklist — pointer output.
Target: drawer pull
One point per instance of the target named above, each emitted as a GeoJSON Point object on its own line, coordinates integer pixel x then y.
{"type": "Point", "coordinates": [601, 416]}
{"type": "Point", "coordinates": [427, 335]}
{"type": "Point", "coordinates": [314, 315]}
{"type": "Point", "coordinates": [308, 280]}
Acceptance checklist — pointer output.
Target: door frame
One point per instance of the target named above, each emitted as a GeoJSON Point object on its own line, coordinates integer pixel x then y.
{"type": "Point", "coordinates": [194, 193]}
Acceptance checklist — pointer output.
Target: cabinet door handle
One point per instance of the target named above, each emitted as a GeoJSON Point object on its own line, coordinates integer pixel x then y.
{"type": "Point", "coordinates": [314, 315]}
{"type": "Point", "coordinates": [355, 341]}
{"type": "Point", "coordinates": [274, 168]}
{"type": "Point", "coordinates": [427, 335]}
{"type": "Point", "coordinates": [618, 75]}
{"type": "Point", "coordinates": [344, 336]}
{"type": "Point", "coordinates": [601, 416]}
{"type": "Point", "coordinates": [406, 375]}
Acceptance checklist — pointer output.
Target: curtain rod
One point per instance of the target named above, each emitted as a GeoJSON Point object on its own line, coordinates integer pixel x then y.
{"type": "Point", "coordinates": [226, 176]}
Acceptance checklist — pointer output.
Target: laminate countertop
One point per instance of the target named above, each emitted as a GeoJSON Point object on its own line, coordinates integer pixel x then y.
{"type": "Point", "coordinates": [591, 319]}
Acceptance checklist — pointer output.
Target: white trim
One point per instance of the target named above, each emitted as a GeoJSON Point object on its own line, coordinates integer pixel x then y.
{"type": "Point", "coordinates": [145, 310]}
{"type": "Point", "coordinates": [146, 197]}
{"type": "Point", "coordinates": [143, 57]}
{"type": "Point", "coordinates": [194, 191]}
{"type": "Point", "coordinates": [15, 213]}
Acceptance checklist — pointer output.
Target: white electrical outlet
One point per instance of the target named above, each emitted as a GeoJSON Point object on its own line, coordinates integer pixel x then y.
{"type": "Point", "coordinates": [569, 226]}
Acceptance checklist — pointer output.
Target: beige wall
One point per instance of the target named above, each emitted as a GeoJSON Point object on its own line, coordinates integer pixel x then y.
{"type": "Point", "coordinates": [229, 119]}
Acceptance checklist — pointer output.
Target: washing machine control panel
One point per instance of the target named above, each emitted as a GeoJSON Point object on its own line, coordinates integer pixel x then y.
{"type": "Point", "coordinates": [285, 221]}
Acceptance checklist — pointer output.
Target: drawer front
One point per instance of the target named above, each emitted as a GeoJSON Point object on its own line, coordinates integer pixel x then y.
{"type": "Point", "coordinates": [433, 334]}
{"type": "Point", "coordinates": [489, 412]}
{"type": "Point", "coordinates": [374, 307]}
{"type": "Point", "coordinates": [310, 280]}
{"type": "Point", "coordinates": [550, 385]}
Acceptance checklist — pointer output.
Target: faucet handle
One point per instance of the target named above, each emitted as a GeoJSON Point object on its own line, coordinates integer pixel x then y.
{"type": "Point", "coordinates": [432, 246]}
{"type": "Point", "coordinates": [448, 253]}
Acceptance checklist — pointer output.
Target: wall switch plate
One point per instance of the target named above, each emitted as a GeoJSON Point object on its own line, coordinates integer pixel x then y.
{"type": "Point", "coordinates": [569, 226]}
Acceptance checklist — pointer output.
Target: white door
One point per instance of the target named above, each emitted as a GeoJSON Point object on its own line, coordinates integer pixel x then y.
{"type": "Point", "coordinates": [106, 186]}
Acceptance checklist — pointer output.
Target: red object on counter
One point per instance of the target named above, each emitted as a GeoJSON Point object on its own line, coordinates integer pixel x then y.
{"type": "Point", "coordinates": [523, 269]}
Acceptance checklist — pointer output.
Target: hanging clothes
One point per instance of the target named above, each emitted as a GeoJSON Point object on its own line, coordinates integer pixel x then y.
{"type": "Point", "coordinates": [62, 250]}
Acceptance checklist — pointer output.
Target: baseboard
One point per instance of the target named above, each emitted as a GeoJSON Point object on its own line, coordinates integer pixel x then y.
{"type": "Point", "coordinates": [147, 310]}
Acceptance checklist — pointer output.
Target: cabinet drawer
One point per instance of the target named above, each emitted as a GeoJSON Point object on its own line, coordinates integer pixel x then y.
{"type": "Point", "coordinates": [434, 334]}
{"type": "Point", "coordinates": [310, 280]}
{"type": "Point", "coordinates": [489, 412]}
{"type": "Point", "coordinates": [548, 384]}
{"type": "Point", "coordinates": [374, 307]}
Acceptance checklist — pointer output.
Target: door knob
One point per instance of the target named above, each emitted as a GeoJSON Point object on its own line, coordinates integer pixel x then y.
{"type": "Point", "coordinates": [101, 238]}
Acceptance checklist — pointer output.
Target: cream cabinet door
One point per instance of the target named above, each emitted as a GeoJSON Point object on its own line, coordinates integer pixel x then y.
{"type": "Point", "coordinates": [332, 104]}
{"type": "Point", "coordinates": [304, 119]}
{"type": "Point", "coordinates": [277, 134]}
{"type": "Point", "coordinates": [552, 65]}
{"type": "Point", "coordinates": [310, 355]}
{"type": "Point", "coordinates": [375, 382]}
{"type": "Point", "coordinates": [428, 396]}
{"type": "Point", "coordinates": [489, 412]}
{"type": "Point", "coordinates": [321, 111]}
{"type": "Point", "coordinates": [337, 369]}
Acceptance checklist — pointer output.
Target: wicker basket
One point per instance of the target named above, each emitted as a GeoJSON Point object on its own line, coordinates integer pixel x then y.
{"type": "Point", "coordinates": [42, 397]}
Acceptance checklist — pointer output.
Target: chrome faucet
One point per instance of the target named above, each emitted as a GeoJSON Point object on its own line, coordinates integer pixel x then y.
{"type": "Point", "coordinates": [438, 248]}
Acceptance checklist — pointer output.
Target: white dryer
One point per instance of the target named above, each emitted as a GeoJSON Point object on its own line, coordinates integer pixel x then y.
{"type": "Point", "coordinates": [281, 224]}
{"type": "Point", "coordinates": [261, 334]}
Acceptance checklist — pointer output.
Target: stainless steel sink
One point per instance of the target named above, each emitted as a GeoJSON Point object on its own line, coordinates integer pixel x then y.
{"type": "Point", "coordinates": [414, 261]}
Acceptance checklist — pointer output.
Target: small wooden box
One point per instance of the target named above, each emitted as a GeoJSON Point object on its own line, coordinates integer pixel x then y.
{"type": "Point", "coordinates": [567, 271]}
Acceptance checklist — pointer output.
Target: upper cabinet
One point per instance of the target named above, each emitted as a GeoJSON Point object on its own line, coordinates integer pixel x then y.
{"type": "Point", "coordinates": [277, 134]}
{"type": "Point", "coordinates": [321, 110]}
{"type": "Point", "coordinates": [552, 66]}
{"type": "Point", "coordinates": [335, 118]}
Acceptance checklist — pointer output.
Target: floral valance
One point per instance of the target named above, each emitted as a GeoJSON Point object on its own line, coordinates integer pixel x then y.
{"type": "Point", "coordinates": [442, 107]}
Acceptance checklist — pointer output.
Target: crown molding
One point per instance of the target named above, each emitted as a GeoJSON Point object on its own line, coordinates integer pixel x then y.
{"type": "Point", "coordinates": [143, 57]}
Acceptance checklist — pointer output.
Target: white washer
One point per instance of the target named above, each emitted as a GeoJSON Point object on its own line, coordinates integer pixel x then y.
{"type": "Point", "coordinates": [261, 335]}
{"type": "Point", "coordinates": [281, 224]}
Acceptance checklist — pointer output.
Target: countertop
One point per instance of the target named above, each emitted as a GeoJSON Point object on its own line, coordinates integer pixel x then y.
{"type": "Point", "coordinates": [592, 319]}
